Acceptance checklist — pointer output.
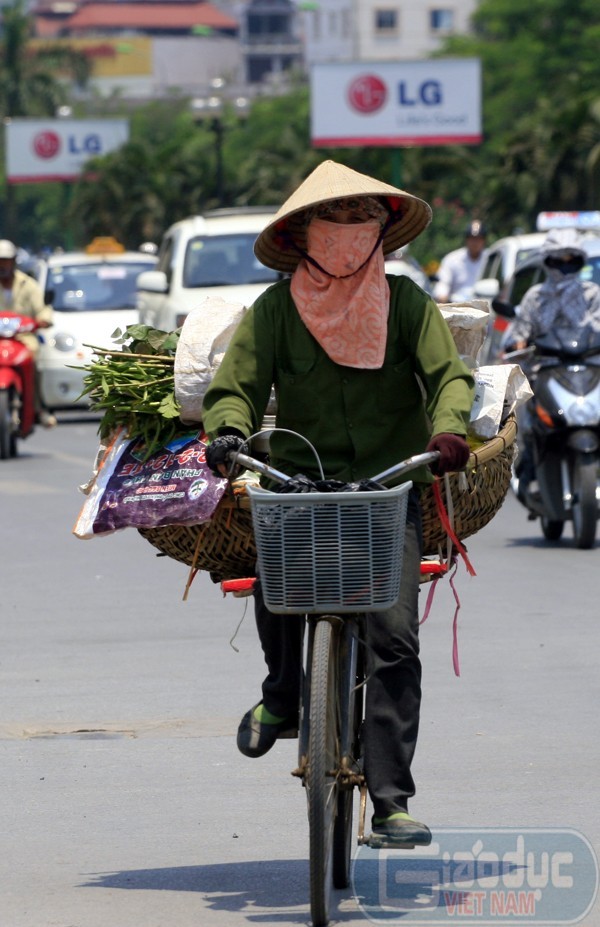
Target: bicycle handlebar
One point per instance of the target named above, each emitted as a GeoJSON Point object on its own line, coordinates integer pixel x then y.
{"type": "Point", "coordinates": [250, 463]}
{"type": "Point", "coordinates": [405, 466]}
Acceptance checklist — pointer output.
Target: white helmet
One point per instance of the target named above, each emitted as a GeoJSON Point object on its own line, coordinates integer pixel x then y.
{"type": "Point", "coordinates": [560, 241]}
{"type": "Point", "coordinates": [7, 249]}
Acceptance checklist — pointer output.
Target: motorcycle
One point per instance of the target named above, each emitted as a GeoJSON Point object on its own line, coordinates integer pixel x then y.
{"type": "Point", "coordinates": [17, 383]}
{"type": "Point", "coordinates": [564, 424]}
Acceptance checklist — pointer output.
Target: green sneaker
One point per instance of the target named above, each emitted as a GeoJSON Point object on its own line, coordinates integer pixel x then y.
{"type": "Point", "coordinates": [255, 738]}
{"type": "Point", "coordinates": [399, 831]}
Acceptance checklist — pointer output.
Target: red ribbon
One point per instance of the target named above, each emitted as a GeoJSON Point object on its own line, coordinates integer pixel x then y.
{"type": "Point", "coordinates": [453, 562]}
{"type": "Point", "coordinates": [449, 529]}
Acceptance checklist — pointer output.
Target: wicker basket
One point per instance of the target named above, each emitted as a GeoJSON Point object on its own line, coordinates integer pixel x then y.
{"type": "Point", "coordinates": [225, 548]}
{"type": "Point", "coordinates": [487, 476]}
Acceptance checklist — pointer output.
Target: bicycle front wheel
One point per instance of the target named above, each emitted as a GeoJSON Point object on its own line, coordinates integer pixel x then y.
{"type": "Point", "coordinates": [321, 773]}
{"type": "Point", "coordinates": [350, 712]}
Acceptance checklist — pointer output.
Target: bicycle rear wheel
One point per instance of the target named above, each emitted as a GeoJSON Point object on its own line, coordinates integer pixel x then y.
{"type": "Point", "coordinates": [321, 773]}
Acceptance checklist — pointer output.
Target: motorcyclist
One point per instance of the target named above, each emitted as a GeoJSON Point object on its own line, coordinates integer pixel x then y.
{"type": "Point", "coordinates": [349, 350]}
{"type": "Point", "coordinates": [563, 300]}
{"type": "Point", "coordinates": [459, 270]}
{"type": "Point", "coordinates": [22, 294]}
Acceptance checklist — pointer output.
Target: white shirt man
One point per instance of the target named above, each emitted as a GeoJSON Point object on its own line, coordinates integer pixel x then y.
{"type": "Point", "coordinates": [460, 269]}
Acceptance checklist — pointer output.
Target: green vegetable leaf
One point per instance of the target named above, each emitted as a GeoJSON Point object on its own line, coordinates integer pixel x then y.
{"type": "Point", "coordinates": [137, 332]}
{"type": "Point", "coordinates": [171, 341]}
{"type": "Point", "coordinates": [169, 407]}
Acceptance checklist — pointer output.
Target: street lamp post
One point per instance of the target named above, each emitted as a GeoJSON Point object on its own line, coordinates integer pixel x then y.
{"type": "Point", "coordinates": [211, 110]}
{"type": "Point", "coordinates": [66, 112]}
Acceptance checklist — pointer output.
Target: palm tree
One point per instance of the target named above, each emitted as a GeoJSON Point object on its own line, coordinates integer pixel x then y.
{"type": "Point", "coordinates": [117, 196]}
{"type": "Point", "coordinates": [552, 160]}
{"type": "Point", "coordinates": [30, 83]}
{"type": "Point", "coordinates": [29, 79]}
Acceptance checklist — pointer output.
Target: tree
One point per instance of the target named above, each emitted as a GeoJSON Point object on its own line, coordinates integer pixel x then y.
{"type": "Point", "coordinates": [30, 85]}
{"type": "Point", "coordinates": [169, 166]}
{"type": "Point", "coordinates": [541, 146]}
{"type": "Point", "coordinates": [29, 80]}
{"type": "Point", "coordinates": [161, 175]}
{"type": "Point", "coordinates": [541, 74]}
{"type": "Point", "coordinates": [552, 157]}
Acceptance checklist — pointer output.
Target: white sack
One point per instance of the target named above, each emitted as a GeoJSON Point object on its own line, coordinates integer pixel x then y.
{"type": "Point", "coordinates": [204, 338]}
{"type": "Point", "coordinates": [499, 390]}
{"type": "Point", "coordinates": [468, 324]}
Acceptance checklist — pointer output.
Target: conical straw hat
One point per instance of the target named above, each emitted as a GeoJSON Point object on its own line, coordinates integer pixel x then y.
{"type": "Point", "coordinates": [332, 181]}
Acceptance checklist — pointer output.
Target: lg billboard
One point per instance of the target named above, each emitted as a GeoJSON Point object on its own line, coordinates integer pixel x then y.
{"type": "Point", "coordinates": [412, 103]}
{"type": "Point", "coordinates": [56, 149]}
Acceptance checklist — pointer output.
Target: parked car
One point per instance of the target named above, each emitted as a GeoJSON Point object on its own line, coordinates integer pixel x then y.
{"type": "Point", "coordinates": [401, 262]}
{"type": "Point", "coordinates": [502, 257]}
{"type": "Point", "coordinates": [93, 292]}
{"type": "Point", "coordinates": [529, 272]}
{"type": "Point", "coordinates": [209, 255]}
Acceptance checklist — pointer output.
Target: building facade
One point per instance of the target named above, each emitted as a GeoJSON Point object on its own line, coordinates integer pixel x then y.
{"type": "Point", "coordinates": [379, 30]}
{"type": "Point", "coordinates": [166, 48]}
{"type": "Point", "coordinates": [269, 41]}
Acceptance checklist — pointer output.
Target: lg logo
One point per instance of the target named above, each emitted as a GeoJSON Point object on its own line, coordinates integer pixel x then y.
{"type": "Point", "coordinates": [49, 144]}
{"type": "Point", "coordinates": [46, 144]}
{"type": "Point", "coordinates": [367, 94]}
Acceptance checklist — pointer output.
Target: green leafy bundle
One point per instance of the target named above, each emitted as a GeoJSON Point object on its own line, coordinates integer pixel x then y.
{"type": "Point", "coordinates": [134, 387]}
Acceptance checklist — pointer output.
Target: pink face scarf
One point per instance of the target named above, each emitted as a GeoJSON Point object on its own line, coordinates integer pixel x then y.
{"type": "Point", "coordinates": [345, 306]}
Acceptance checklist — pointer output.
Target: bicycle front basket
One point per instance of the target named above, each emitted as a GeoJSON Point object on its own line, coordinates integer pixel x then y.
{"type": "Point", "coordinates": [329, 552]}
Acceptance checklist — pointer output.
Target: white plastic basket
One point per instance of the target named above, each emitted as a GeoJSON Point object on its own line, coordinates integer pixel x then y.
{"type": "Point", "coordinates": [329, 552]}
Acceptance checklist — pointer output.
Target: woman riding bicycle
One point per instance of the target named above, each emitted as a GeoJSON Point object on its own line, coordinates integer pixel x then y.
{"type": "Point", "coordinates": [363, 366]}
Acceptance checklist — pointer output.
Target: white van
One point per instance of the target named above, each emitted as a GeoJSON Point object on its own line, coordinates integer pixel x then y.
{"type": "Point", "coordinates": [502, 257]}
{"type": "Point", "coordinates": [209, 255]}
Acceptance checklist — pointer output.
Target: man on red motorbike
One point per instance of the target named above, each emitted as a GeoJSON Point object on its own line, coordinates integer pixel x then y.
{"type": "Point", "coordinates": [21, 293]}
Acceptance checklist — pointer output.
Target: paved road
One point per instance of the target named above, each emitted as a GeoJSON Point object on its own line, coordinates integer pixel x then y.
{"type": "Point", "coordinates": [124, 800]}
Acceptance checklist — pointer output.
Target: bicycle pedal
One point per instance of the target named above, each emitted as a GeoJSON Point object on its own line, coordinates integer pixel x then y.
{"type": "Point", "coordinates": [381, 842]}
{"type": "Point", "coordinates": [290, 734]}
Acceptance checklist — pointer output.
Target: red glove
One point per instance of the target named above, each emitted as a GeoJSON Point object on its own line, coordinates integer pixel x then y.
{"type": "Point", "coordinates": [454, 453]}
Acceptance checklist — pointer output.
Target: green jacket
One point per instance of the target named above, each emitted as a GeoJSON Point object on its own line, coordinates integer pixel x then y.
{"type": "Point", "coordinates": [360, 421]}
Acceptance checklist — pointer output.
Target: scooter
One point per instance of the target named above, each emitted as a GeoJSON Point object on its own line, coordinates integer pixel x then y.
{"type": "Point", "coordinates": [564, 422]}
{"type": "Point", "coordinates": [17, 383]}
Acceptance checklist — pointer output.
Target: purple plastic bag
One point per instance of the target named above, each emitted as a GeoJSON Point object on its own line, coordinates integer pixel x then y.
{"type": "Point", "coordinates": [172, 487]}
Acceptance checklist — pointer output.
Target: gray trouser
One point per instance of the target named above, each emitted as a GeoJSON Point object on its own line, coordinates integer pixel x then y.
{"type": "Point", "coordinates": [393, 696]}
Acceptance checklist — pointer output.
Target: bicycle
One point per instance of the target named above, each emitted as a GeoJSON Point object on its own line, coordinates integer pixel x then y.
{"type": "Point", "coordinates": [335, 557]}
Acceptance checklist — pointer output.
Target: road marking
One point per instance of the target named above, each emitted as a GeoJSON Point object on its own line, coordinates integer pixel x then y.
{"type": "Point", "coordinates": [173, 727]}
